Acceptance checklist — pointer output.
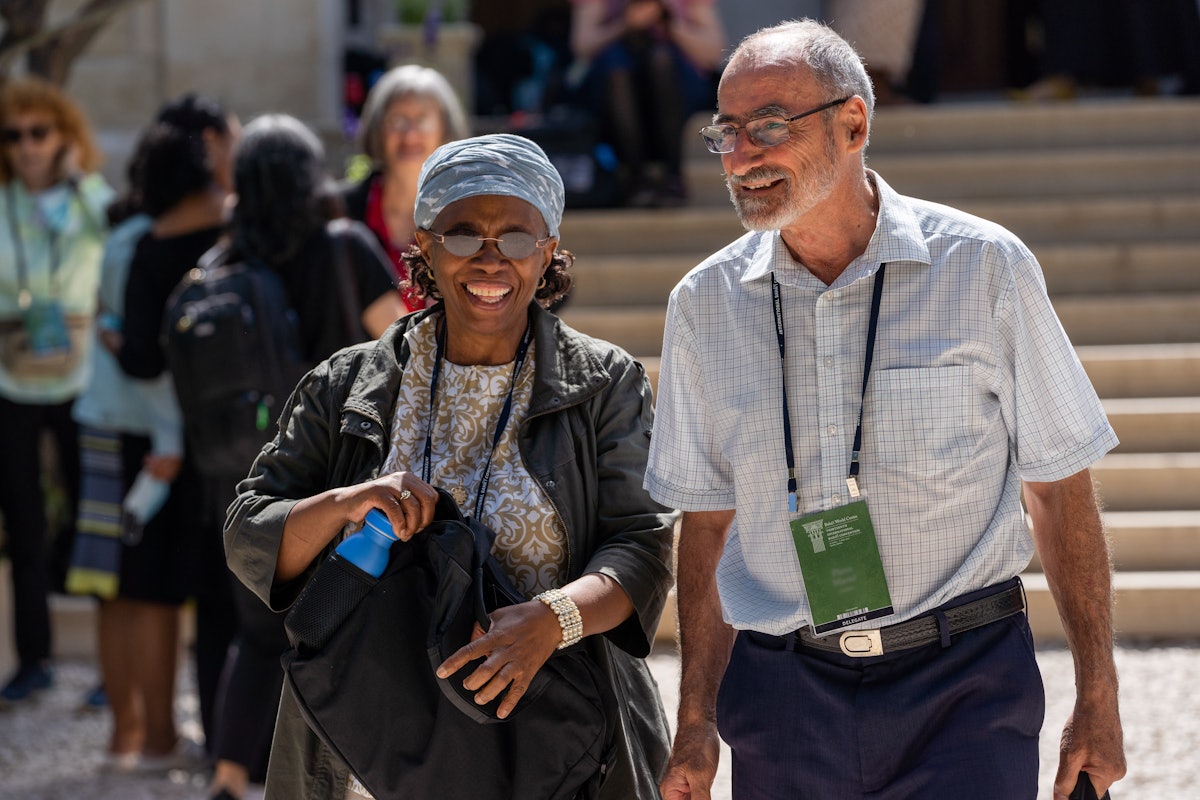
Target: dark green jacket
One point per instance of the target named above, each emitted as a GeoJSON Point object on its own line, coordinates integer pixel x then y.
{"type": "Point", "coordinates": [585, 440]}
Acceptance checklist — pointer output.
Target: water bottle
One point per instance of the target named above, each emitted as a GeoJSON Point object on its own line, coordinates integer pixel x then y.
{"type": "Point", "coordinates": [369, 548]}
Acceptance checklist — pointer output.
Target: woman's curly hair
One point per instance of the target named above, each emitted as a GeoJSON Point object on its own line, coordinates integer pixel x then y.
{"type": "Point", "coordinates": [558, 279]}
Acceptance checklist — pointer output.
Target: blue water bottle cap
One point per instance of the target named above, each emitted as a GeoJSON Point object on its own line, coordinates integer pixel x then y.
{"type": "Point", "coordinates": [377, 521]}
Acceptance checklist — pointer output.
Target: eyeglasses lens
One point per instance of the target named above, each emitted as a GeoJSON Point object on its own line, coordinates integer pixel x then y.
{"type": "Point", "coordinates": [425, 124]}
{"type": "Point", "coordinates": [37, 132]}
{"type": "Point", "coordinates": [765, 132]}
{"type": "Point", "coordinates": [516, 245]}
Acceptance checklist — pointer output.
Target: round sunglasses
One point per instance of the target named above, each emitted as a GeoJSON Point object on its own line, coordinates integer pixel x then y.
{"type": "Point", "coordinates": [37, 133]}
{"type": "Point", "coordinates": [515, 245]}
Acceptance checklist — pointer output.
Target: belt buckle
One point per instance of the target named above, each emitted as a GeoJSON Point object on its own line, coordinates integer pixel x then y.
{"type": "Point", "coordinates": [860, 644]}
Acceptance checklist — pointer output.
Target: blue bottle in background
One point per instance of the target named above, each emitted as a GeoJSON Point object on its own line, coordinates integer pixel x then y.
{"type": "Point", "coordinates": [369, 548]}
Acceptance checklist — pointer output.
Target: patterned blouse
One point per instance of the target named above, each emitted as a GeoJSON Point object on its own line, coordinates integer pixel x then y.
{"type": "Point", "coordinates": [530, 538]}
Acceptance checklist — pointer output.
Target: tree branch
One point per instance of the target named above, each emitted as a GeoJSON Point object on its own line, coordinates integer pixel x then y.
{"type": "Point", "coordinates": [52, 51]}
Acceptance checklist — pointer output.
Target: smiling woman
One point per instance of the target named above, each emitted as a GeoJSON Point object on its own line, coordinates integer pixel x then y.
{"type": "Point", "coordinates": [533, 429]}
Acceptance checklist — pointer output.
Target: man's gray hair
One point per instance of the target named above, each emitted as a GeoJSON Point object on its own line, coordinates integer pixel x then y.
{"type": "Point", "coordinates": [835, 65]}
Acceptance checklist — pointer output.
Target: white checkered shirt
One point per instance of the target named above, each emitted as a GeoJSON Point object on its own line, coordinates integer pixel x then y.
{"type": "Point", "coordinates": [974, 386]}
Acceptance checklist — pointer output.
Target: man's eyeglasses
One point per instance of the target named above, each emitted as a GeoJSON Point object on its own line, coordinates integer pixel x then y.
{"type": "Point", "coordinates": [515, 245]}
{"type": "Point", "coordinates": [36, 132]}
{"type": "Point", "coordinates": [764, 131]}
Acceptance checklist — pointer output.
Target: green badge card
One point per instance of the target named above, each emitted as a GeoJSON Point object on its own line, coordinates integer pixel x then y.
{"type": "Point", "coordinates": [842, 569]}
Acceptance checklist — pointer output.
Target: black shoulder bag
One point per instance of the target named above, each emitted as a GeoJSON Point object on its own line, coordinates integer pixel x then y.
{"type": "Point", "coordinates": [362, 667]}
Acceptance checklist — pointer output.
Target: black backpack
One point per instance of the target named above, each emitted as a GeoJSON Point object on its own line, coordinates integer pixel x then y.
{"type": "Point", "coordinates": [233, 347]}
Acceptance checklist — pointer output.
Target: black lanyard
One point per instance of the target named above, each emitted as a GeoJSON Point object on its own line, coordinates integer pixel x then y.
{"type": "Point", "coordinates": [501, 423]}
{"type": "Point", "coordinates": [789, 452]}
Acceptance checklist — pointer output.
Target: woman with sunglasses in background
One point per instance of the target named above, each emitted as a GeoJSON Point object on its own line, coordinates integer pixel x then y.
{"type": "Point", "coordinates": [532, 428]}
{"type": "Point", "coordinates": [52, 230]}
{"type": "Point", "coordinates": [410, 111]}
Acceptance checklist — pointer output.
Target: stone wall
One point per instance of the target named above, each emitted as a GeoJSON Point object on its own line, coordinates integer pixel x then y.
{"type": "Point", "coordinates": [255, 56]}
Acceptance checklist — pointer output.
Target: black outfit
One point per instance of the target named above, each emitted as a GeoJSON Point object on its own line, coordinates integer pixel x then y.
{"type": "Point", "coordinates": [25, 521]}
{"type": "Point", "coordinates": [355, 195]}
{"type": "Point", "coordinates": [157, 266]}
{"type": "Point", "coordinates": [251, 684]}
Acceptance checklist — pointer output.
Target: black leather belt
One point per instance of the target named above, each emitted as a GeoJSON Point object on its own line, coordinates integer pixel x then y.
{"type": "Point", "coordinates": [917, 632]}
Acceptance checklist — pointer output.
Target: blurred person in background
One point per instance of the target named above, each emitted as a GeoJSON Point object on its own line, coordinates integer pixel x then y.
{"type": "Point", "coordinates": [128, 538]}
{"type": "Point", "coordinates": [409, 112]}
{"type": "Point", "coordinates": [649, 65]}
{"type": "Point", "coordinates": [185, 188]}
{"type": "Point", "coordinates": [51, 240]}
{"type": "Point", "coordinates": [279, 179]}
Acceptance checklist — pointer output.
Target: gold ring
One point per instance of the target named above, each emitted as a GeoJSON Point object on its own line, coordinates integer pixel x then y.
{"type": "Point", "coordinates": [404, 495]}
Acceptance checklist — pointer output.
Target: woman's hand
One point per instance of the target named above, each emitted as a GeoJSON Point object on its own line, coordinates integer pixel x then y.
{"type": "Point", "coordinates": [523, 636]}
{"type": "Point", "coordinates": [163, 467]}
{"type": "Point", "coordinates": [520, 640]}
{"type": "Point", "coordinates": [407, 501]}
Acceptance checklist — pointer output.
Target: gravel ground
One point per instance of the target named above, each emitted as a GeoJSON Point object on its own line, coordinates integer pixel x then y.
{"type": "Point", "coordinates": [51, 751]}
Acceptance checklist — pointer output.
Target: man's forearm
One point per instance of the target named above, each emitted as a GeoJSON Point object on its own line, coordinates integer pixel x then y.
{"type": "Point", "coordinates": [705, 639]}
{"type": "Point", "coordinates": [1075, 559]}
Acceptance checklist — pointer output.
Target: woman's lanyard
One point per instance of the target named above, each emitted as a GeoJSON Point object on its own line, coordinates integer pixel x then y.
{"type": "Point", "coordinates": [501, 423]}
{"type": "Point", "coordinates": [24, 295]}
{"type": "Point", "coordinates": [852, 478]}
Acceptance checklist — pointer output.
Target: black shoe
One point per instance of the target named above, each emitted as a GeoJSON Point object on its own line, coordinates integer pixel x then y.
{"type": "Point", "coordinates": [28, 681]}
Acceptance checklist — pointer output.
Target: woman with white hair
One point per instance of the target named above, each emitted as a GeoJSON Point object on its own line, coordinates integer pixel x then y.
{"type": "Point", "coordinates": [409, 112]}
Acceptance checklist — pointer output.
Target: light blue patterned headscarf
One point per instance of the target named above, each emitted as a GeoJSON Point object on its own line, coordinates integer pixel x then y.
{"type": "Point", "coordinates": [496, 164]}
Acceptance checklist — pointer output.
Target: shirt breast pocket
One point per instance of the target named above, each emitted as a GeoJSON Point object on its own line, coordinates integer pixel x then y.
{"type": "Point", "coordinates": [923, 419]}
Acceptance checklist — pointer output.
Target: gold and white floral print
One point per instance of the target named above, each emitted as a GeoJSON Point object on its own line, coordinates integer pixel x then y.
{"type": "Point", "coordinates": [530, 541]}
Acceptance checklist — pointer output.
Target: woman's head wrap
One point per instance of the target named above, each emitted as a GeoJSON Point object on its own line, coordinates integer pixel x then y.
{"type": "Point", "coordinates": [496, 164]}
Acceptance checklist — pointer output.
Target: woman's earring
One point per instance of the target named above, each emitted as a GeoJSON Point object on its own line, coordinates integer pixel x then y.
{"type": "Point", "coordinates": [542, 283]}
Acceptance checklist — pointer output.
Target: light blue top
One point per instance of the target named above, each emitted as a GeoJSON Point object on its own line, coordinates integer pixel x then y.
{"type": "Point", "coordinates": [974, 387]}
{"type": "Point", "coordinates": [112, 400]}
{"type": "Point", "coordinates": [71, 223]}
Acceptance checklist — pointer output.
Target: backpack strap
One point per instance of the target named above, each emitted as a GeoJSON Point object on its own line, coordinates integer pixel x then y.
{"type": "Point", "coordinates": [347, 284]}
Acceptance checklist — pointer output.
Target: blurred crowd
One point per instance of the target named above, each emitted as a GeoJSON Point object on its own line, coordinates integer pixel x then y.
{"type": "Point", "coordinates": [101, 493]}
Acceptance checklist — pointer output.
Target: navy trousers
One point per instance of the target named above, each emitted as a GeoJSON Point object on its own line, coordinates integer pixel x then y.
{"type": "Point", "coordinates": [931, 722]}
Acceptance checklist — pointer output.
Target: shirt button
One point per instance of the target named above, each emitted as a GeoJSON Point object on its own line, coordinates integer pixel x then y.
{"type": "Point", "coordinates": [831, 430]}
{"type": "Point", "coordinates": [829, 361]}
{"type": "Point", "coordinates": [550, 484]}
{"type": "Point", "coordinates": [836, 499]}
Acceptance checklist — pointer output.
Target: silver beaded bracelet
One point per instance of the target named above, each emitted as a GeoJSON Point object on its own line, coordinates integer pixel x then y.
{"type": "Point", "coordinates": [568, 615]}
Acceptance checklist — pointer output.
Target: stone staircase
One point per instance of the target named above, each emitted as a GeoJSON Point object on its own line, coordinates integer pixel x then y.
{"type": "Point", "coordinates": [1107, 194]}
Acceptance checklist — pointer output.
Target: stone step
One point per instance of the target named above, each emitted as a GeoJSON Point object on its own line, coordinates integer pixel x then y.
{"type": "Point", "coordinates": [1132, 319]}
{"type": "Point", "coordinates": [1126, 267]}
{"type": "Point", "coordinates": [1151, 541]}
{"type": "Point", "coordinates": [1149, 481]}
{"type": "Point", "coordinates": [953, 178]}
{"type": "Point", "coordinates": [1085, 269]}
{"type": "Point", "coordinates": [981, 127]}
{"type": "Point", "coordinates": [1156, 424]}
{"type": "Point", "coordinates": [1088, 320]}
{"type": "Point", "coordinates": [1117, 371]}
{"type": "Point", "coordinates": [1160, 370]}
{"type": "Point", "coordinates": [1149, 605]}
{"type": "Point", "coordinates": [1086, 220]}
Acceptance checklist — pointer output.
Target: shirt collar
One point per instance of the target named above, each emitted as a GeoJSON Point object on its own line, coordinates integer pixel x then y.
{"type": "Point", "coordinates": [897, 237]}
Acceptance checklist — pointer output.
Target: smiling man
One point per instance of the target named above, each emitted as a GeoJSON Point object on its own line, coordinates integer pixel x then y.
{"type": "Point", "coordinates": [853, 399]}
